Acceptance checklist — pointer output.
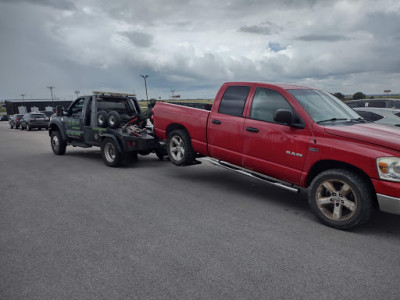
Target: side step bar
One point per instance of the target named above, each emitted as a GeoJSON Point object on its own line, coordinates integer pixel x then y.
{"type": "Point", "coordinates": [253, 174]}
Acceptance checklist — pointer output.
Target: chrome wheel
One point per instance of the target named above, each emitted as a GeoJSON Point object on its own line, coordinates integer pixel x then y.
{"type": "Point", "coordinates": [55, 143]}
{"type": "Point", "coordinates": [177, 148]}
{"type": "Point", "coordinates": [109, 152]}
{"type": "Point", "coordinates": [336, 200]}
{"type": "Point", "coordinates": [111, 121]}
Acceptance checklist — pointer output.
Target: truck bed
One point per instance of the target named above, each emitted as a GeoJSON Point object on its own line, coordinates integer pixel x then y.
{"type": "Point", "coordinates": [194, 120]}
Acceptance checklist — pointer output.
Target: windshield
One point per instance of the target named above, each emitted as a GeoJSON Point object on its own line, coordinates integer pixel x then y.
{"type": "Point", "coordinates": [323, 107]}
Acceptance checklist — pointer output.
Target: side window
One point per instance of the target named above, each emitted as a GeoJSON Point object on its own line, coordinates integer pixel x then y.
{"type": "Point", "coordinates": [396, 104]}
{"type": "Point", "coordinates": [77, 106]}
{"type": "Point", "coordinates": [233, 101]}
{"type": "Point", "coordinates": [266, 103]}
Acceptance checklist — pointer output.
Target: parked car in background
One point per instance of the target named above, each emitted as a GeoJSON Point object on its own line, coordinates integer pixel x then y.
{"type": "Point", "coordinates": [47, 113]}
{"type": "Point", "coordinates": [382, 103]}
{"type": "Point", "coordinates": [385, 116]}
{"type": "Point", "coordinates": [15, 120]}
{"type": "Point", "coordinates": [4, 118]}
{"type": "Point", "coordinates": [34, 120]}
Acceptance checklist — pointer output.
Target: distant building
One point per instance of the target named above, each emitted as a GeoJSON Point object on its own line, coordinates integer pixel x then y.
{"type": "Point", "coordinates": [16, 106]}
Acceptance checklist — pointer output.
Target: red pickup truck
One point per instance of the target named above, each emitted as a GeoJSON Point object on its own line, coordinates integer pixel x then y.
{"type": "Point", "coordinates": [294, 137]}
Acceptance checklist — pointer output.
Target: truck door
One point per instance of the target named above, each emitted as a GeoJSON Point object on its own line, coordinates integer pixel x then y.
{"type": "Point", "coordinates": [271, 148]}
{"type": "Point", "coordinates": [225, 126]}
{"type": "Point", "coordinates": [74, 121]}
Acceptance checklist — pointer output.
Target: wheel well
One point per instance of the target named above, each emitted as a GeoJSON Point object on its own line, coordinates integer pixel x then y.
{"type": "Point", "coordinates": [333, 164]}
{"type": "Point", "coordinates": [173, 127]}
{"type": "Point", "coordinates": [324, 165]}
{"type": "Point", "coordinates": [52, 128]}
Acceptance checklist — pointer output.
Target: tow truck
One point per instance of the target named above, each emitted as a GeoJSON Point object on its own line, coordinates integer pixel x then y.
{"type": "Point", "coordinates": [112, 121]}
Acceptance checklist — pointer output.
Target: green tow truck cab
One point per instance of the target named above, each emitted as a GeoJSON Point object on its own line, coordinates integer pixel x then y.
{"type": "Point", "coordinates": [112, 121]}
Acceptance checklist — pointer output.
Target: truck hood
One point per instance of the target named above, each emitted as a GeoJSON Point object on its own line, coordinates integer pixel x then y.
{"type": "Point", "coordinates": [372, 133]}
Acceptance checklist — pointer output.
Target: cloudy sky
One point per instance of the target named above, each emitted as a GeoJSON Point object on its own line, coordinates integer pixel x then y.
{"type": "Point", "coordinates": [193, 46]}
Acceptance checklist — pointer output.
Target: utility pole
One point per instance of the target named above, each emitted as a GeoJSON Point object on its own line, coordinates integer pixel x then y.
{"type": "Point", "coordinates": [52, 99]}
{"type": "Point", "coordinates": [23, 99]}
{"type": "Point", "coordinates": [145, 85]}
{"type": "Point", "coordinates": [77, 93]}
{"type": "Point", "coordinates": [173, 94]}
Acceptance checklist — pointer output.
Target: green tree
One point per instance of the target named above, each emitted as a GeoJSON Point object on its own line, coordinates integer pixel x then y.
{"type": "Point", "coordinates": [339, 96]}
{"type": "Point", "coordinates": [359, 95]}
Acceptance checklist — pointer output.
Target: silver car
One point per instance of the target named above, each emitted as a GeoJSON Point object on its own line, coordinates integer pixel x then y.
{"type": "Point", "coordinates": [384, 116]}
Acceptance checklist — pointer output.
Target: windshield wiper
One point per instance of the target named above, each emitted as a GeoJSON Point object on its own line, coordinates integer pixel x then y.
{"type": "Point", "coordinates": [332, 120]}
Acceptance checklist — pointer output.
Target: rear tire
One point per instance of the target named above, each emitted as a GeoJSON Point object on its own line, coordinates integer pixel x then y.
{"type": "Point", "coordinates": [11, 126]}
{"type": "Point", "coordinates": [58, 145]}
{"type": "Point", "coordinates": [179, 147]}
{"type": "Point", "coordinates": [110, 154]}
{"type": "Point", "coordinates": [102, 118]}
{"type": "Point", "coordinates": [340, 198]}
{"type": "Point", "coordinates": [28, 127]}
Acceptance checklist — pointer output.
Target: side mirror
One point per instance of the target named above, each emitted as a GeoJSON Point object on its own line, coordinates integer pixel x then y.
{"type": "Point", "coordinates": [285, 116]}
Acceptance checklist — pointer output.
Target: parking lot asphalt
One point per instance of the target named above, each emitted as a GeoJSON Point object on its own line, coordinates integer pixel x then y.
{"type": "Point", "coordinates": [73, 228]}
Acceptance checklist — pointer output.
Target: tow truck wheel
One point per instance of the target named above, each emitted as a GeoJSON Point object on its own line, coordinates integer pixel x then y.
{"type": "Point", "coordinates": [110, 154]}
{"type": "Point", "coordinates": [179, 147]}
{"type": "Point", "coordinates": [102, 118]}
{"type": "Point", "coordinates": [57, 144]}
{"type": "Point", "coordinates": [340, 198]}
{"type": "Point", "coordinates": [113, 119]}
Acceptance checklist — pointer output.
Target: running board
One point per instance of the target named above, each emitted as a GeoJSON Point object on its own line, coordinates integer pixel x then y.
{"type": "Point", "coordinates": [253, 174]}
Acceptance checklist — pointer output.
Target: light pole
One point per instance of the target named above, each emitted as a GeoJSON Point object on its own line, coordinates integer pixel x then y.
{"type": "Point", "coordinates": [145, 85]}
{"type": "Point", "coordinates": [23, 99]}
{"type": "Point", "coordinates": [52, 99]}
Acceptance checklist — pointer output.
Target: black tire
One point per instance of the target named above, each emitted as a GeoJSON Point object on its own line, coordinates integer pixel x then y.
{"type": "Point", "coordinates": [11, 126]}
{"type": "Point", "coordinates": [110, 154]}
{"type": "Point", "coordinates": [179, 147]}
{"type": "Point", "coordinates": [28, 127]}
{"type": "Point", "coordinates": [58, 145]}
{"type": "Point", "coordinates": [340, 198]}
{"type": "Point", "coordinates": [102, 118]}
{"type": "Point", "coordinates": [144, 152]}
{"type": "Point", "coordinates": [21, 127]}
{"type": "Point", "coordinates": [113, 119]}
{"type": "Point", "coordinates": [161, 153]}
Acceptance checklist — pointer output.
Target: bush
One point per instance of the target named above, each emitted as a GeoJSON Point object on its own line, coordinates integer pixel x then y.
{"type": "Point", "coordinates": [359, 95]}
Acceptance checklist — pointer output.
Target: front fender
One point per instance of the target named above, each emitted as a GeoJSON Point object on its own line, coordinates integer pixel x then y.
{"type": "Point", "coordinates": [55, 125]}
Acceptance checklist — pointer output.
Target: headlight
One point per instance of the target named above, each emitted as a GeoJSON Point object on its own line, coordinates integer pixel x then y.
{"type": "Point", "coordinates": [389, 168]}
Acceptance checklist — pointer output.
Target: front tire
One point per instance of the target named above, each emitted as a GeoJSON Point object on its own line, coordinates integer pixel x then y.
{"type": "Point", "coordinates": [179, 147]}
{"type": "Point", "coordinates": [340, 198]}
{"type": "Point", "coordinates": [110, 154]}
{"type": "Point", "coordinates": [58, 145]}
{"type": "Point", "coordinates": [28, 127]}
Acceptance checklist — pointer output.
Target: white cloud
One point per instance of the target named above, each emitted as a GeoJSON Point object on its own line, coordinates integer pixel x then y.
{"type": "Point", "coordinates": [193, 46]}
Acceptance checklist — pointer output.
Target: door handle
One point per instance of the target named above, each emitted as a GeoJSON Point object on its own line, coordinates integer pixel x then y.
{"type": "Point", "coordinates": [216, 121]}
{"type": "Point", "coordinates": [252, 129]}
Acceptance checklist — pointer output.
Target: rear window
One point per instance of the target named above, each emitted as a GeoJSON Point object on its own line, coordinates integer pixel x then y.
{"type": "Point", "coordinates": [370, 116]}
{"type": "Point", "coordinates": [119, 105]}
{"type": "Point", "coordinates": [233, 101]}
